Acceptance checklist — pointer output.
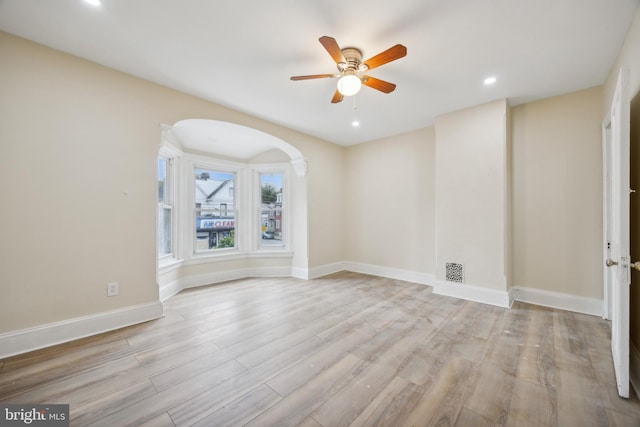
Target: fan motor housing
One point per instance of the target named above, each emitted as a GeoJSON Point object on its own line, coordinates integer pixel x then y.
{"type": "Point", "coordinates": [353, 58]}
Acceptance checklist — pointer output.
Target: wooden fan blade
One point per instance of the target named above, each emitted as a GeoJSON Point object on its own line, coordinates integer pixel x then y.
{"type": "Point", "coordinates": [331, 45]}
{"type": "Point", "coordinates": [378, 84]}
{"type": "Point", "coordinates": [337, 97]}
{"type": "Point", "coordinates": [396, 52]}
{"type": "Point", "coordinates": [313, 76]}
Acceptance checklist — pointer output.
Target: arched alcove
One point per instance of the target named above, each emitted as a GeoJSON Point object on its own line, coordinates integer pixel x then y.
{"type": "Point", "coordinates": [249, 151]}
{"type": "Point", "coordinates": [232, 140]}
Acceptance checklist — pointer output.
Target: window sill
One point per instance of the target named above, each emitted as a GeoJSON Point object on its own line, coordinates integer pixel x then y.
{"type": "Point", "coordinates": [211, 258]}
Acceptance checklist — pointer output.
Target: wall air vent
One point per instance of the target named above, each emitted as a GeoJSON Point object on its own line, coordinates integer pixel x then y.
{"type": "Point", "coordinates": [454, 272]}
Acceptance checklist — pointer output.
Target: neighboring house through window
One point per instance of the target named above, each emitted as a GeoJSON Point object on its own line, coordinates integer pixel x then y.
{"type": "Point", "coordinates": [210, 208]}
{"type": "Point", "coordinates": [214, 209]}
{"type": "Point", "coordinates": [271, 208]}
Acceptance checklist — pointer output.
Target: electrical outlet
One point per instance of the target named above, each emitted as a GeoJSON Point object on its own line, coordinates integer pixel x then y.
{"type": "Point", "coordinates": [113, 289]}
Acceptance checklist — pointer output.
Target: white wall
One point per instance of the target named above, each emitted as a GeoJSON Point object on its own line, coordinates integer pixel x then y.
{"type": "Point", "coordinates": [471, 194]}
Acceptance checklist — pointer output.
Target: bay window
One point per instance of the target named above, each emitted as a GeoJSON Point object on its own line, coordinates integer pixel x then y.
{"type": "Point", "coordinates": [211, 209]}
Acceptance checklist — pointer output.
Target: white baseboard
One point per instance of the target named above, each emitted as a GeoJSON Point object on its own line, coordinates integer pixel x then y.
{"type": "Point", "coordinates": [634, 368]}
{"type": "Point", "coordinates": [25, 340]}
{"type": "Point", "coordinates": [170, 289]}
{"type": "Point", "coordinates": [473, 293]}
{"type": "Point", "coordinates": [300, 273]}
{"type": "Point", "coordinates": [225, 276]}
{"type": "Point", "coordinates": [390, 272]}
{"type": "Point", "coordinates": [560, 301]}
{"type": "Point", "coordinates": [324, 270]}
{"type": "Point", "coordinates": [467, 292]}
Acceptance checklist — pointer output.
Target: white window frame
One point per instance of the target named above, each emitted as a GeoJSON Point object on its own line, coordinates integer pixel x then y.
{"type": "Point", "coordinates": [202, 162]}
{"type": "Point", "coordinates": [270, 168]}
{"type": "Point", "coordinates": [166, 204]}
{"type": "Point", "coordinates": [247, 203]}
{"type": "Point", "coordinates": [172, 155]}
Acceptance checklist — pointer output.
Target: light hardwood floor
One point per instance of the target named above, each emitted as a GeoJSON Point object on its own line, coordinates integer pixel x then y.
{"type": "Point", "coordinates": [344, 350]}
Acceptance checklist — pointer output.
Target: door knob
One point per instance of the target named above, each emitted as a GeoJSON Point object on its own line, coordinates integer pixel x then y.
{"type": "Point", "coordinates": [610, 263]}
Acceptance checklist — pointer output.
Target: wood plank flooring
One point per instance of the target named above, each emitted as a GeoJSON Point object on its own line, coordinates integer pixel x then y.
{"type": "Point", "coordinates": [344, 350]}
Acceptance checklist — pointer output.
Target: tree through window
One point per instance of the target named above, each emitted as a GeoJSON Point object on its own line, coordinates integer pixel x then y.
{"type": "Point", "coordinates": [271, 209]}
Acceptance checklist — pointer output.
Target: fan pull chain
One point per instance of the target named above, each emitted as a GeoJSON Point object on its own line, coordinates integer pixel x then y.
{"type": "Point", "coordinates": [355, 104]}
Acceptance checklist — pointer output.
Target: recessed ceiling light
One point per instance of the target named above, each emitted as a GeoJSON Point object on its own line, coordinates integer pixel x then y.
{"type": "Point", "coordinates": [355, 123]}
{"type": "Point", "coordinates": [93, 2]}
{"type": "Point", "coordinates": [490, 80]}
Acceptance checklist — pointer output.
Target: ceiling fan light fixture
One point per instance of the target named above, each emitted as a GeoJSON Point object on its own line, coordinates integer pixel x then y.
{"type": "Point", "coordinates": [349, 84]}
{"type": "Point", "coordinates": [351, 67]}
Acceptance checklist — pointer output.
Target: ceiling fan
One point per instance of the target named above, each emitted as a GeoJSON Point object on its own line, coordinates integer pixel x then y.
{"type": "Point", "coordinates": [350, 68]}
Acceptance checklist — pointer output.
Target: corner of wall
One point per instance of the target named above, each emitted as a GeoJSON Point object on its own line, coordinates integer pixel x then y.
{"type": "Point", "coordinates": [560, 301]}
{"type": "Point", "coordinates": [498, 298]}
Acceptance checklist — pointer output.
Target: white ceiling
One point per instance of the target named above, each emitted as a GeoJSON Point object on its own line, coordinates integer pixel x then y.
{"type": "Point", "coordinates": [214, 136]}
{"type": "Point", "coordinates": [241, 53]}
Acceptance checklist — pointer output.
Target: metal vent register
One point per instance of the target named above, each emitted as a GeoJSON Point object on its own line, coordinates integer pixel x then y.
{"type": "Point", "coordinates": [454, 272]}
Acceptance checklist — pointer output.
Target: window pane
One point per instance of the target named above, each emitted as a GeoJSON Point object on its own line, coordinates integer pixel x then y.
{"type": "Point", "coordinates": [164, 208]}
{"type": "Point", "coordinates": [214, 231]}
{"type": "Point", "coordinates": [271, 209]}
{"type": "Point", "coordinates": [162, 180]}
{"type": "Point", "coordinates": [214, 210]}
{"type": "Point", "coordinates": [164, 232]}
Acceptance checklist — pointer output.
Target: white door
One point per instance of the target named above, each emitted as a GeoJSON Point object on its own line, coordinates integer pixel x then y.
{"type": "Point", "coordinates": [617, 276]}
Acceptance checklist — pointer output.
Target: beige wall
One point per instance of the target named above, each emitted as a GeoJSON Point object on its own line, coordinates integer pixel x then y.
{"type": "Point", "coordinates": [553, 150]}
{"type": "Point", "coordinates": [390, 202]}
{"type": "Point", "coordinates": [557, 194]}
{"type": "Point", "coordinates": [78, 147]}
{"type": "Point", "coordinates": [471, 191]}
{"type": "Point", "coordinates": [325, 203]}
